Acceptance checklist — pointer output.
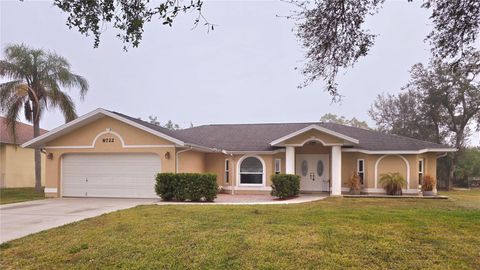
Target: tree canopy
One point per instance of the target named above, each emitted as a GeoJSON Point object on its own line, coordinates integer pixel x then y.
{"type": "Point", "coordinates": [37, 80]}
{"type": "Point", "coordinates": [354, 122]}
{"type": "Point", "coordinates": [335, 37]}
{"type": "Point", "coordinates": [441, 103]}
{"type": "Point", "coordinates": [332, 32]}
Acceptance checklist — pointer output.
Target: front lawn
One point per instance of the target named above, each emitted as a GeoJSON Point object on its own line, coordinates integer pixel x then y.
{"type": "Point", "coordinates": [335, 233]}
{"type": "Point", "coordinates": [13, 195]}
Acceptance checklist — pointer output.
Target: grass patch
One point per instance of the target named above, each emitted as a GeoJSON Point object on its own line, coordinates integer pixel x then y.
{"type": "Point", "coordinates": [13, 195]}
{"type": "Point", "coordinates": [334, 233]}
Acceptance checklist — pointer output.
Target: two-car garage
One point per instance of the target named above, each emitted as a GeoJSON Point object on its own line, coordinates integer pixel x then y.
{"type": "Point", "coordinates": [109, 175]}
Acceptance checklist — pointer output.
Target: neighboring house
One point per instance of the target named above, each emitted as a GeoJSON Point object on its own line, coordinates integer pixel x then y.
{"type": "Point", "coordinates": [17, 164]}
{"type": "Point", "coordinates": [108, 154]}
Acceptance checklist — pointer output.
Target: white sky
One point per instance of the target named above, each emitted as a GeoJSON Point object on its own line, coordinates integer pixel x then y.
{"type": "Point", "coordinates": [242, 72]}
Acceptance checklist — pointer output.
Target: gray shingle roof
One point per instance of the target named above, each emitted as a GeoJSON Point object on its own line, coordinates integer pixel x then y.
{"type": "Point", "coordinates": [257, 137]}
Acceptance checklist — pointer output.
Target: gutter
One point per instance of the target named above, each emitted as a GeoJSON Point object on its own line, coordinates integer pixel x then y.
{"type": "Point", "coordinates": [442, 155]}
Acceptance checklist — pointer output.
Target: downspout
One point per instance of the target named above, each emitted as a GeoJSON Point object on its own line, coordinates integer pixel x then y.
{"type": "Point", "coordinates": [176, 157]}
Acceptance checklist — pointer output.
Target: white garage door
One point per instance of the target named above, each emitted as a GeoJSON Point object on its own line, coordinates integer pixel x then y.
{"type": "Point", "coordinates": [110, 175]}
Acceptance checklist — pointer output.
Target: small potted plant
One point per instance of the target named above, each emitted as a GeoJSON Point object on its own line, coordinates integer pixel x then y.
{"type": "Point", "coordinates": [428, 185]}
{"type": "Point", "coordinates": [392, 183]}
{"type": "Point", "coordinates": [354, 184]}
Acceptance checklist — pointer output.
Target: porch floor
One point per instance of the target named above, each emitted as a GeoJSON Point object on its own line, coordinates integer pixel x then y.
{"type": "Point", "coordinates": [228, 199]}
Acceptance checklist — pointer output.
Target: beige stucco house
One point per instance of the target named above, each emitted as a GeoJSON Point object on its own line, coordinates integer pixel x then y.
{"type": "Point", "coordinates": [17, 164]}
{"type": "Point", "coordinates": [109, 154]}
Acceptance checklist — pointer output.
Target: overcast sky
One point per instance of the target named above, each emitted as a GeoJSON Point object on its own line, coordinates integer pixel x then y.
{"type": "Point", "coordinates": [242, 72]}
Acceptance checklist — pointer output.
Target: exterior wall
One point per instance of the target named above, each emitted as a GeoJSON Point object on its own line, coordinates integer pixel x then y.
{"type": "Point", "coordinates": [17, 166]}
{"type": "Point", "coordinates": [215, 163]}
{"type": "Point", "coordinates": [191, 162]}
{"type": "Point", "coordinates": [388, 163]}
{"type": "Point", "coordinates": [391, 164]}
{"type": "Point", "coordinates": [80, 140]}
{"type": "Point", "coordinates": [302, 138]}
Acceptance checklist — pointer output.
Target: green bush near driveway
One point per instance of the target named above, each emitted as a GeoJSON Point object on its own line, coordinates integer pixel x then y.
{"type": "Point", "coordinates": [186, 186]}
{"type": "Point", "coordinates": [285, 185]}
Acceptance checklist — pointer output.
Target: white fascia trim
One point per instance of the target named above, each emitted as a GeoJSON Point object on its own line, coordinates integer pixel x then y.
{"type": "Point", "coordinates": [122, 141]}
{"type": "Point", "coordinates": [62, 127]}
{"type": "Point", "coordinates": [316, 127]}
{"type": "Point", "coordinates": [106, 113]}
{"type": "Point", "coordinates": [202, 148]}
{"type": "Point", "coordinates": [254, 152]}
{"type": "Point", "coordinates": [50, 190]}
{"type": "Point", "coordinates": [399, 152]}
{"type": "Point", "coordinates": [124, 146]}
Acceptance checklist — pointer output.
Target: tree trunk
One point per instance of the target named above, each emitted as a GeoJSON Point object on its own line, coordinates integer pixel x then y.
{"type": "Point", "coordinates": [451, 173]}
{"type": "Point", "coordinates": [38, 158]}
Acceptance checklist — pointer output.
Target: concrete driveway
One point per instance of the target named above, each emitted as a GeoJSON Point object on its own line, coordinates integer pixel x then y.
{"type": "Point", "coordinates": [21, 219]}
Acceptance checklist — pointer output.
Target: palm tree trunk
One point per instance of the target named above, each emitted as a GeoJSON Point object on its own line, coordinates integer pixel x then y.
{"type": "Point", "coordinates": [38, 158]}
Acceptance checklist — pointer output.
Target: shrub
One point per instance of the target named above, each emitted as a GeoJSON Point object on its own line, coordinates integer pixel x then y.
{"type": "Point", "coordinates": [428, 183]}
{"type": "Point", "coordinates": [285, 185]}
{"type": "Point", "coordinates": [186, 186]}
{"type": "Point", "coordinates": [165, 185]}
{"type": "Point", "coordinates": [392, 183]}
{"type": "Point", "coordinates": [354, 183]}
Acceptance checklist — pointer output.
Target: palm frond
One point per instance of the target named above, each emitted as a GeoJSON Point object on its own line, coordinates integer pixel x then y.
{"type": "Point", "coordinates": [7, 91]}
{"type": "Point", "coordinates": [11, 70]}
{"type": "Point", "coordinates": [59, 99]}
{"type": "Point", "coordinates": [70, 80]}
{"type": "Point", "coordinates": [15, 105]}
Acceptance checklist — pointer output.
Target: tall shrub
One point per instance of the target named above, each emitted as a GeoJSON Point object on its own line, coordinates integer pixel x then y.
{"type": "Point", "coordinates": [187, 186]}
{"type": "Point", "coordinates": [285, 185]}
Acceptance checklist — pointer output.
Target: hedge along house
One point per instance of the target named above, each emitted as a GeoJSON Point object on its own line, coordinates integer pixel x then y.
{"type": "Point", "coordinates": [108, 154]}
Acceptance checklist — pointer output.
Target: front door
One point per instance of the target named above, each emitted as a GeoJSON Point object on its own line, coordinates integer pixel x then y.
{"type": "Point", "coordinates": [314, 172]}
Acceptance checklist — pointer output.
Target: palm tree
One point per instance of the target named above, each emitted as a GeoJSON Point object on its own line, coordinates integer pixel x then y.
{"type": "Point", "coordinates": [392, 183]}
{"type": "Point", "coordinates": [36, 83]}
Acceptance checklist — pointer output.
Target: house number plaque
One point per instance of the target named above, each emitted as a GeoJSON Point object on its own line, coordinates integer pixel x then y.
{"type": "Point", "coordinates": [108, 140]}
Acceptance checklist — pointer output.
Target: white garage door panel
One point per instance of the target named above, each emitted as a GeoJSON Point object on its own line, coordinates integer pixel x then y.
{"type": "Point", "coordinates": [110, 175]}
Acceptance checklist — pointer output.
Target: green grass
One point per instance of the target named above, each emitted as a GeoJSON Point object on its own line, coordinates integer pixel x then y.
{"type": "Point", "coordinates": [13, 195]}
{"type": "Point", "coordinates": [335, 233]}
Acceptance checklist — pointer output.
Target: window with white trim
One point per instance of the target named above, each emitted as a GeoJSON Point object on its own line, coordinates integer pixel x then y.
{"type": "Point", "coordinates": [227, 170]}
{"type": "Point", "coordinates": [361, 170]}
{"type": "Point", "coordinates": [420, 171]}
{"type": "Point", "coordinates": [251, 171]}
{"type": "Point", "coordinates": [278, 166]}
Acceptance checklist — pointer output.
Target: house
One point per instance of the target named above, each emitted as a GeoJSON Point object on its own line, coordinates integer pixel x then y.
{"type": "Point", "coordinates": [17, 165]}
{"type": "Point", "coordinates": [109, 154]}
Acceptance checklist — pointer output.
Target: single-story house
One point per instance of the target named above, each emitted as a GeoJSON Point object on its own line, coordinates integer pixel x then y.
{"type": "Point", "coordinates": [109, 154]}
{"type": "Point", "coordinates": [17, 164]}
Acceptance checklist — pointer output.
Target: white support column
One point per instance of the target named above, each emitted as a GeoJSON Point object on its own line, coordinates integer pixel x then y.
{"type": "Point", "coordinates": [336, 170]}
{"type": "Point", "coordinates": [290, 160]}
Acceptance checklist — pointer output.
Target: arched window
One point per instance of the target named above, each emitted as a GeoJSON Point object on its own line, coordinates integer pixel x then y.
{"type": "Point", "coordinates": [251, 171]}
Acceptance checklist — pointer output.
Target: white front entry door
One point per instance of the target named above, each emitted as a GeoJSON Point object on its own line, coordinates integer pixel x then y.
{"type": "Point", "coordinates": [314, 172]}
{"type": "Point", "coordinates": [110, 175]}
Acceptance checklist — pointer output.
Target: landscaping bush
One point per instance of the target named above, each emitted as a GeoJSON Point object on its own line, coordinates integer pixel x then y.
{"type": "Point", "coordinates": [165, 185]}
{"type": "Point", "coordinates": [428, 183]}
{"type": "Point", "coordinates": [186, 186]}
{"type": "Point", "coordinates": [392, 183]}
{"type": "Point", "coordinates": [354, 184]}
{"type": "Point", "coordinates": [285, 185]}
